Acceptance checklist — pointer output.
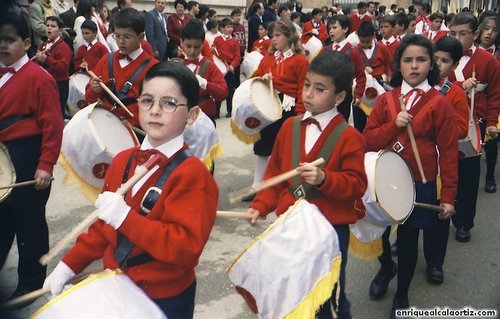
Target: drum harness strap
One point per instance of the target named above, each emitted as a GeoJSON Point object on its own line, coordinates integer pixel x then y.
{"type": "Point", "coordinates": [366, 61]}
{"type": "Point", "coordinates": [8, 121]}
{"type": "Point", "coordinates": [445, 88]}
{"type": "Point", "coordinates": [305, 190]}
{"type": "Point", "coordinates": [124, 246]}
{"type": "Point", "coordinates": [122, 95]}
{"type": "Point", "coordinates": [201, 72]}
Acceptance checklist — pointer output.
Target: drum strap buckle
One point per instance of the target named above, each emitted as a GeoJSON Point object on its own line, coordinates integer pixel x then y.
{"type": "Point", "coordinates": [299, 192]}
{"type": "Point", "coordinates": [398, 147]}
{"type": "Point", "coordinates": [150, 199]}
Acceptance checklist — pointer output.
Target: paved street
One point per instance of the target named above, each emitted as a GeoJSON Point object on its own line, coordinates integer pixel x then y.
{"type": "Point", "coordinates": [472, 270]}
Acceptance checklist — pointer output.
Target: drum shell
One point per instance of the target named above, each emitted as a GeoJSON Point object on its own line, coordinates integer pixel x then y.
{"type": "Point", "coordinates": [221, 65]}
{"type": "Point", "coordinates": [470, 146]}
{"type": "Point", "coordinates": [7, 172]}
{"type": "Point", "coordinates": [76, 93]}
{"type": "Point", "coordinates": [313, 47]}
{"type": "Point", "coordinates": [201, 136]}
{"type": "Point", "coordinates": [251, 63]}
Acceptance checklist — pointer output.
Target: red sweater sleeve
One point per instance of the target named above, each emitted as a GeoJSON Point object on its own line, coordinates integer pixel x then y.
{"type": "Point", "coordinates": [79, 56]}
{"type": "Point", "coordinates": [359, 73]}
{"type": "Point", "coordinates": [57, 63]}
{"type": "Point", "coordinates": [458, 99]}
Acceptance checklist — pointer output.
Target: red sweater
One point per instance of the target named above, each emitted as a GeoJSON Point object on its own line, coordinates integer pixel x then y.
{"type": "Point", "coordinates": [121, 76]}
{"type": "Point", "coordinates": [391, 47]}
{"type": "Point", "coordinates": [58, 59]}
{"type": "Point", "coordinates": [458, 99]}
{"type": "Point", "coordinates": [92, 56]}
{"type": "Point", "coordinates": [262, 45]}
{"type": "Point", "coordinates": [345, 180]}
{"type": "Point", "coordinates": [380, 60]}
{"type": "Point", "coordinates": [174, 232]}
{"type": "Point", "coordinates": [288, 76]}
{"type": "Point", "coordinates": [31, 90]}
{"type": "Point", "coordinates": [309, 26]}
{"type": "Point", "coordinates": [433, 126]}
{"type": "Point", "coordinates": [487, 102]}
{"type": "Point", "coordinates": [216, 88]}
{"type": "Point", "coordinates": [174, 28]}
{"type": "Point", "coordinates": [356, 21]}
{"type": "Point", "coordinates": [229, 50]}
{"type": "Point", "coordinates": [440, 34]}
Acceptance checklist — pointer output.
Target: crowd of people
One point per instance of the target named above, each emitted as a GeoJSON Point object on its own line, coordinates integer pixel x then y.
{"type": "Point", "coordinates": [189, 62]}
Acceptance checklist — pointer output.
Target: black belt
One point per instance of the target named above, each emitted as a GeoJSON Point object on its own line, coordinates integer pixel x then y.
{"type": "Point", "coordinates": [5, 123]}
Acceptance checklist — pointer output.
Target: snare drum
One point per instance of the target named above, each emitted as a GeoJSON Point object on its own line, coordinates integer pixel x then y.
{"type": "Point", "coordinates": [7, 172]}
{"type": "Point", "coordinates": [471, 145]}
{"type": "Point", "coordinates": [202, 138]}
{"type": "Point", "coordinates": [109, 294]}
{"type": "Point", "coordinates": [312, 48]}
{"type": "Point", "coordinates": [90, 141]}
{"type": "Point", "coordinates": [221, 65]}
{"type": "Point", "coordinates": [251, 63]}
{"type": "Point", "coordinates": [76, 93]}
{"type": "Point", "coordinates": [254, 107]}
{"type": "Point", "coordinates": [389, 197]}
{"type": "Point", "coordinates": [373, 90]}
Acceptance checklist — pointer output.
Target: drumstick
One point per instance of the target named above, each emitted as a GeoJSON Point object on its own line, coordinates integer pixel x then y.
{"type": "Point", "coordinates": [429, 206]}
{"type": "Point", "coordinates": [414, 144]}
{"type": "Point", "coordinates": [248, 191]}
{"type": "Point", "coordinates": [20, 184]}
{"type": "Point", "coordinates": [42, 291]}
{"type": "Point", "coordinates": [271, 82]}
{"type": "Point", "coordinates": [45, 259]}
{"type": "Point", "coordinates": [105, 88]}
{"type": "Point", "coordinates": [232, 214]}
{"type": "Point", "coordinates": [472, 93]}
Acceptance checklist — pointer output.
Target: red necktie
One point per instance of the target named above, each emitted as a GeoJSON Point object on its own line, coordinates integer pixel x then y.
{"type": "Point", "coordinates": [387, 43]}
{"type": "Point", "coordinates": [124, 56]}
{"type": "Point", "coordinates": [336, 48]}
{"type": "Point", "coordinates": [311, 120]}
{"type": "Point", "coordinates": [408, 95]}
{"type": "Point", "coordinates": [490, 50]}
{"type": "Point", "coordinates": [194, 61]}
{"type": "Point", "coordinates": [142, 156]}
{"type": "Point", "coordinates": [468, 53]}
{"type": "Point", "coordinates": [4, 70]}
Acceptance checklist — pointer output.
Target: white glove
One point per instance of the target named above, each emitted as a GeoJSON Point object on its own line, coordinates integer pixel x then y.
{"type": "Point", "coordinates": [201, 82]}
{"type": "Point", "coordinates": [315, 31]}
{"type": "Point", "coordinates": [58, 278]}
{"type": "Point", "coordinates": [288, 102]}
{"type": "Point", "coordinates": [112, 208]}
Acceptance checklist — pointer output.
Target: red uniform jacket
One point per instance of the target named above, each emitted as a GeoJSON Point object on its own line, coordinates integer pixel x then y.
{"type": "Point", "coordinates": [307, 34]}
{"type": "Point", "coordinates": [216, 88]}
{"type": "Point", "coordinates": [121, 76]}
{"type": "Point", "coordinates": [356, 21]}
{"type": "Point", "coordinates": [228, 50]}
{"type": "Point", "coordinates": [174, 28]}
{"type": "Point", "coordinates": [262, 45]}
{"type": "Point", "coordinates": [391, 47]}
{"type": "Point", "coordinates": [434, 37]}
{"type": "Point", "coordinates": [146, 46]}
{"type": "Point", "coordinates": [173, 233]}
{"type": "Point", "coordinates": [92, 56]}
{"type": "Point", "coordinates": [487, 102]}
{"type": "Point", "coordinates": [434, 127]}
{"type": "Point", "coordinates": [379, 61]}
{"type": "Point", "coordinates": [31, 90]}
{"type": "Point", "coordinates": [460, 104]}
{"type": "Point", "coordinates": [345, 180]}
{"type": "Point", "coordinates": [288, 76]}
{"type": "Point", "coordinates": [58, 59]}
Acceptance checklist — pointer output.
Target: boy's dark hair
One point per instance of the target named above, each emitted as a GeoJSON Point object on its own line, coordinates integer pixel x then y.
{"type": "Point", "coordinates": [465, 18]}
{"type": "Point", "coordinates": [426, 7]}
{"type": "Point", "coordinates": [212, 24]}
{"type": "Point", "coordinates": [295, 15]}
{"type": "Point", "coordinates": [191, 4]}
{"type": "Point", "coordinates": [450, 17]}
{"type": "Point", "coordinates": [211, 12]}
{"type": "Point", "coordinates": [60, 23]}
{"type": "Point", "coordinates": [181, 74]}
{"type": "Point", "coordinates": [281, 8]}
{"type": "Point", "coordinates": [183, 2]}
{"type": "Point", "coordinates": [193, 31]}
{"type": "Point", "coordinates": [17, 21]}
{"type": "Point", "coordinates": [418, 40]}
{"type": "Point", "coordinates": [130, 18]}
{"type": "Point", "coordinates": [203, 10]}
{"type": "Point", "coordinates": [235, 12]}
{"type": "Point", "coordinates": [450, 45]}
{"type": "Point", "coordinates": [411, 17]}
{"type": "Point", "coordinates": [89, 25]}
{"type": "Point", "coordinates": [225, 22]}
{"type": "Point", "coordinates": [317, 11]}
{"type": "Point", "coordinates": [336, 66]}
{"type": "Point", "coordinates": [366, 29]}
{"type": "Point", "coordinates": [435, 16]}
{"type": "Point", "coordinates": [391, 19]}
{"type": "Point", "coordinates": [343, 21]}
{"type": "Point", "coordinates": [362, 5]}
{"type": "Point", "coordinates": [120, 3]}
{"type": "Point", "coordinates": [402, 19]}
{"type": "Point", "coordinates": [271, 2]}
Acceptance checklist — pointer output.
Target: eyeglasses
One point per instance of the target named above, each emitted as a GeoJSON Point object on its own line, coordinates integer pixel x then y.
{"type": "Point", "coordinates": [167, 105]}
{"type": "Point", "coordinates": [460, 34]}
{"type": "Point", "coordinates": [125, 37]}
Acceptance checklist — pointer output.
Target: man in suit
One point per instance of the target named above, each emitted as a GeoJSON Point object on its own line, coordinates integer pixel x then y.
{"type": "Point", "coordinates": [156, 30]}
{"type": "Point", "coordinates": [68, 17]}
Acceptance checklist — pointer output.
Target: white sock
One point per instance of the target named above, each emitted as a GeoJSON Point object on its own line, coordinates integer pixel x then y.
{"type": "Point", "coordinates": [260, 169]}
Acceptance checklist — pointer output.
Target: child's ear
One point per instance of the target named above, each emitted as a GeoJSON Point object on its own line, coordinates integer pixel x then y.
{"type": "Point", "coordinates": [193, 115]}
{"type": "Point", "coordinates": [27, 44]}
{"type": "Point", "coordinates": [340, 98]}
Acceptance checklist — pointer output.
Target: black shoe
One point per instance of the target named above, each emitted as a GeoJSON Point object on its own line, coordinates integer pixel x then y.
{"type": "Point", "coordinates": [228, 115]}
{"type": "Point", "coordinates": [491, 187]}
{"type": "Point", "coordinates": [248, 198]}
{"type": "Point", "coordinates": [462, 235]}
{"type": "Point", "coordinates": [399, 303]}
{"type": "Point", "coordinates": [20, 291]}
{"type": "Point", "coordinates": [394, 250]}
{"type": "Point", "coordinates": [435, 275]}
{"type": "Point", "coordinates": [66, 116]}
{"type": "Point", "coordinates": [379, 284]}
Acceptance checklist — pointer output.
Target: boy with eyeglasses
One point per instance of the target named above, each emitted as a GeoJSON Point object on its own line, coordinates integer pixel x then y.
{"type": "Point", "coordinates": [123, 71]}
{"type": "Point", "coordinates": [464, 27]}
{"type": "Point", "coordinates": [157, 231]}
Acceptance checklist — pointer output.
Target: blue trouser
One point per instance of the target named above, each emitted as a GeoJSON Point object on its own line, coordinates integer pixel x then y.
{"type": "Point", "coordinates": [180, 306]}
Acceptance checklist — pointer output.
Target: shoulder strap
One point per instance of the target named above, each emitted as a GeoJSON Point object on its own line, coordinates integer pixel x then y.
{"type": "Point", "coordinates": [204, 68]}
{"type": "Point", "coordinates": [128, 85]}
{"type": "Point", "coordinates": [445, 88]}
{"type": "Point", "coordinates": [305, 190]}
{"type": "Point", "coordinates": [124, 246]}
{"type": "Point", "coordinates": [111, 73]}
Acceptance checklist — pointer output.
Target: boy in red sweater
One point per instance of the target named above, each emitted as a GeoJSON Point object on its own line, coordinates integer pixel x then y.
{"type": "Point", "coordinates": [89, 53]}
{"type": "Point", "coordinates": [55, 56]}
{"type": "Point", "coordinates": [228, 50]}
{"type": "Point", "coordinates": [314, 27]}
{"type": "Point", "coordinates": [31, 128]}
{"type": "Point", "coordinates": [341, 181]}
{"type": "Point", "coordinates": [128, 66]}
{"type": "Point", "coordinates": [435, 33]}
{"type": "Point", "coordinates": [387, 25]}
{"type": "Point", "coordinates": [239, 34]}
{"type": "Point", "coordinates": [166, 230]}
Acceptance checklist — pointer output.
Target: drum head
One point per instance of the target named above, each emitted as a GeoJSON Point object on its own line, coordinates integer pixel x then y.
{"type": "Point", "coordinates": [395, 190]}
{"type": "Point", "coordinates": [7, 172]}
{"type": "Point", "coordinates": [265, 101]}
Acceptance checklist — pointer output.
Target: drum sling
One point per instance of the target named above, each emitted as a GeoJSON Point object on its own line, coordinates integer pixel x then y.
{"type": "Point", "coordinates": [6, 122]}
{"type": "Point", "coordinates": [124, 246]}
{"type": "Point", "coordinates": [201, 72]}
{"type": "Point", "coordinates": [122, 95]}
{"type": "Point", "coordinates": [304, 190]}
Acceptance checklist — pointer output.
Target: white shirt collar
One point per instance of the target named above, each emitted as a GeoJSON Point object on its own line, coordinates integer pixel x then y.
{"type": "Point", "coordinates": [341, 44]}
{"type": "Point", "coordinates": [19, 63]}
{"type": "Point", "coordinates": [405, 87]}
{"type": "Point", "coordinates": [391, 40]}
{"type": "Point", "coordinates": [322, 118]}
{"type": "Point", "coordinates": [134, 54]}
{"type": "Point", "coordinates": [91, 43]}
{"type": "Point", "coordinates": [168, 148]}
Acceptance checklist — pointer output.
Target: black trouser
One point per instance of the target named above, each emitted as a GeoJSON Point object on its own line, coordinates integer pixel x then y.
{"type": "Point", "coordinates": [63, 87]}
{"type": "Point", "coordinates": [229, 77]}
{"type": "Point", "coordinates": [23, 215]}
{"type": "Point", "coordinates": [435, 243]}
{"type": "Point", "coordinates": [407, 242]}
{"type": "Point", "coordinates": [386, 258]}
{"type": "Point", "coordinates": [491, 151]}
{"type": "Point", "coordinates": [180, 306]}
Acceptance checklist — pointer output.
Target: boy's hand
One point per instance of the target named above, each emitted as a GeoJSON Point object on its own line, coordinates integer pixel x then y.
{"type": "Point", "coordinates": [312, 175]}
{"type": "Point", "coordinates": [315, 31]}
{"type": "Point", "coordinates": [230, 68]}
{"type": "Point", "coordinates": [403, 119]}
{"type": "Point", "coordinates": [492, 131]}
{"type": "Point", "coordinates": [255, 215]}
{"type": "Point", "coordinates": [469, 83]}
{"type": "Point", "coordinates": [42, 179]}
{"type": "Point", "coordinates": [84, 65]}
{"type": "Point", "coordinates": [449, 210]}
{"type": "Point", "coordinates": [94, 85]}
{"type": "Point", "coordinates": [112, 209]}
{"type": "Point", "coordinates": [368, 70]}
{"type": "Point", "coordinates": [201, 82]}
